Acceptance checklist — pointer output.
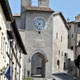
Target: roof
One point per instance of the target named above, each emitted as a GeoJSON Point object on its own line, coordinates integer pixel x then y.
{"type": "Point", "coordinates": [18, 37]}
{"type": "Point", "coordinates": [6, 9]}
{"type": "Point", "coordinates": [33, 8]}
{"type": "Point", "coordinates": [73, 22]}
{"type": "Point", "coordinates": [59, 13]}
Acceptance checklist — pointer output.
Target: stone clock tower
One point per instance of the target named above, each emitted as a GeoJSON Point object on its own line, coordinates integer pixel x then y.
{"type": "Point", "coordinates": [37, 25]}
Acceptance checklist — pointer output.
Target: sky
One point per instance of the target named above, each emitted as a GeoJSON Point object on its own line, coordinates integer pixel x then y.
{"type": "Point", "coordinates": [69, 8]}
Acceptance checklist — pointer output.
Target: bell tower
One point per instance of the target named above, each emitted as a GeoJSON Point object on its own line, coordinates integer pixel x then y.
{"type": "Point", "coordinates": [43, 3]}
{"type": "Point", "coordinates": [26, 2]}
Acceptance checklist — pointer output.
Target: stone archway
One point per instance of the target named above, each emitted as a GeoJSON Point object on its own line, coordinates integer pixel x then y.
{"type": "Point", "coordinates": [38, 62]}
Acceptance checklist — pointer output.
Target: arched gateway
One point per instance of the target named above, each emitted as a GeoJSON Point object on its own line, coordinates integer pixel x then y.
{"type": "Point", "coordinates": [38, 62]}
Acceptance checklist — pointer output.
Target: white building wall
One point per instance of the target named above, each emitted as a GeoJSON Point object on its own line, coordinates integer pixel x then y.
{"type": "Point", "coordinates": [4, 60]}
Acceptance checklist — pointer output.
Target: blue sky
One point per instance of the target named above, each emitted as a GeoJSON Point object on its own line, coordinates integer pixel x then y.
{"type": "Point", "coordinates": [69, 8]}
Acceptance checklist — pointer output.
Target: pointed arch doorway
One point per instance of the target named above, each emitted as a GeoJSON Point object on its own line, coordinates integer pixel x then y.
{"type": "Point", "coordinates": [38, 63]}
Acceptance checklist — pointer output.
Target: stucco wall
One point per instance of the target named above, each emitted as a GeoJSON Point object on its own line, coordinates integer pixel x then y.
{"type": "Point", "coordinates": [2, 40]}
{"type": "Point", "coordinates": [4, 60]}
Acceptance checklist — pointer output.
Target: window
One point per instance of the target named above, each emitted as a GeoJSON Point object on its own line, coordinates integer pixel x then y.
{"type": "Point", "coordinates": [61, 38]}
{"type": "Point", "coordinates": [2, 33]}
{"type": "Point", "coordinates": [78, 25]}
{"type": "Point", "coordinates": [58, 62]}
{"type": "Point", "coordinates": [72, 35]}
{"type": "Point", "coordinates": [69, 27]}
{"type": "Point", "coordinates": [62, 53]}
{"type": "Point", "coordinates": [34, 2]}
{"type": "Point", "coordinates": [69, 59]}
{"type": "Point", "coordinates": [39, 32]}
{"type": "Point", "coordinates": [79, 42]}
{"type": "Point", "coordinates": [0, 28]}
{"type": "Point", "coordinates": [71, 47]}
{"type": "Point", "coordinates": [68, 36]}
{"type": "Point", "coordinates": [56, 35]}
{"type": "Point", "coordinates": [65, 54]}
{"type": "Point", "coordinates": [59, 52]}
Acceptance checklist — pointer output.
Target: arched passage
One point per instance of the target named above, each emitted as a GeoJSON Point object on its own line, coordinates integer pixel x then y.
{"type": "Point", "coordinates": [38, 65]}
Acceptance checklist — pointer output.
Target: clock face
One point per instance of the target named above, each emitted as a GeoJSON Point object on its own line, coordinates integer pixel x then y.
{"type": "Point", "coordinates": [39, 23]}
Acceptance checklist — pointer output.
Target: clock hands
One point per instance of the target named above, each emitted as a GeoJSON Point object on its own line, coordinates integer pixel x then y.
{"type": "Point", "coordinates": [39, 23]}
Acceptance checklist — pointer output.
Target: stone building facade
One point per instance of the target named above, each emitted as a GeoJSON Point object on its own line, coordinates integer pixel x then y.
{"type": "Point", "coordinates": [47, 46]}
{"type": "Point", "coordinates": [62, 55]}
{"type": "Point", "coordinates": [60, 43]}
{"type": "Point", "coordinates": [75, 40]}
{"type": "Point", "coordinates": [38, 43]}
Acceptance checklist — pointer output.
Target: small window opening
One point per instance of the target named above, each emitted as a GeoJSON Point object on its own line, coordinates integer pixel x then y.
{"type": "Point", "coordinates": [61, 38]}
{"type": "Point", "coordinates": [65, 54]}
{"type": "Point", "coordinates": [59, 52]}
{"type": "Point", "coordinates": [2, 33]}
{"type": "Point", "coordinates": [39, 32]}
{"type": "Point", "coordinates": [0, 28]}
{"type": "Point", "coordinates": [58, 62]}
{"type": "Point", "coordinates": [68, 36]}
{"type": "Point", "coordinates": [56, 35]}
{"type": "Point", "coordinates": [34, 2]}
{"type": "Point", "coordinates": [78, 25]}
{"type": "Point", "coordinates": [71, 47]}
{"type": "Point", "coordinates": [62, 53]}
{"type": "Point", "coordinates": [72, 35]}
{"type": "Point", "coordinates": [69, 27]}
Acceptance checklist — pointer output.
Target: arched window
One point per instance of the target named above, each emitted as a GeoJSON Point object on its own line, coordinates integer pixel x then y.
{"type": "Point", "coordinates": [58, 62]}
